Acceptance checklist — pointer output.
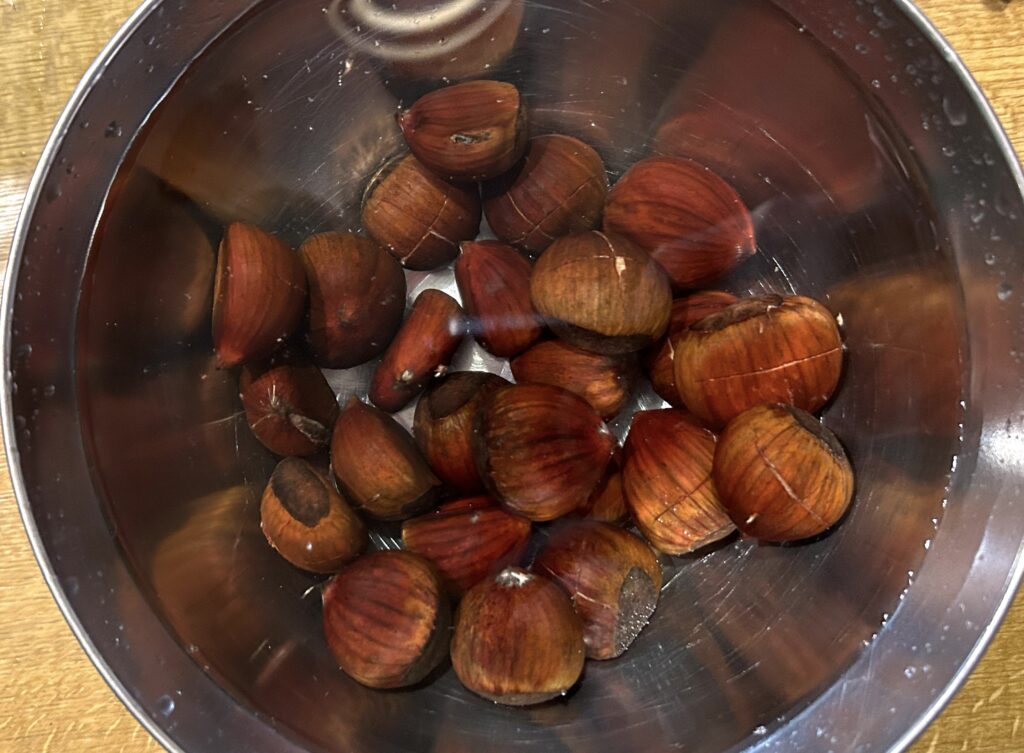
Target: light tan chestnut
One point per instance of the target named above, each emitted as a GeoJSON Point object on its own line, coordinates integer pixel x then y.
{"type": "Point", "coordinates": [781, 474]}
{"type": "Point", "coordinates": [307, 521]}
{"type": "Point", "coordinates": [759, 350]}
{"type": "Point", "coordinates": [667, 477]}
{"type": "Point", "coordinates": [612, 577]}
{"type": "Point", "coordinates": [259, 293]}
{"type": "Point", "coordinates": [517, 639]}
{"type": "Point", "coordinates": [470, 131]}
{"type": "Point", "coordinates": [290, 408]}
{"type": "Point", "coordinates": [601, 293]}
{"type": "Point", "coordinates": [378, 466]}
{"type": "Point", "coordinates": [387, 618]}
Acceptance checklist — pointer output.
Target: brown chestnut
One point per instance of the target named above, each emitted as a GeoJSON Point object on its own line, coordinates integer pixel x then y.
{"type": "Point", "coordinates": [667, 478]}
{"type": "Point", "coordinates": [601, 293]}
{"type": "Point", "coordinates": [307, 521]}
{"type": "Point", "coordinates": [468, 540]}
{"type": "Point", "coordinates": [605, 382]}
{"type": "Point", "coordinates": [559, 189]}
{"type": "Point", "coordinates": [418, 217]}
{"type": "Point", "coordinates": [494, 280]}
{"type": "Point", "coordinates": [443, 427]}
{"type": "Point", "coordinates": [356, 298]}
{"type": "Point", "coordinates": [259, 293]}
{"type": "Point", "coordinates": [759, 350]}
{"type": "Point", "coordinates": [781, 474]}
{"type": "Point", "coordinates": [612, 577]}
{"type": "Point", "coordinates": [290, 408]}
{"type": "Point", "coordinates": [470, 131]}
{"type": "Point", "coordinates": [608, 501]}
{"type": "Point", "coordinates": [691, 221]}
{"type": "Point", "coordinates": [659, 360]}
{"type": "Point", "coordinates": [517, 639]}
{"type": "Point", "coordinates": [541, 450]}
{"type": "Point", "coordinates": [421, 351]}
{"type": "Point", "coordinates": [387, 618]}
{"type": "Point", "coordinates": [378, 466]}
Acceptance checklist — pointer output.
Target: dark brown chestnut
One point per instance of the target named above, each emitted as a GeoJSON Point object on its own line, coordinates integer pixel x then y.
{"type": "Point", "coordinates": [290, 408]}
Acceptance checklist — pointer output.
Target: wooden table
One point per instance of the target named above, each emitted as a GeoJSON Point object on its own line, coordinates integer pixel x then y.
{"type": "Point", "coordinates": [51, 697]}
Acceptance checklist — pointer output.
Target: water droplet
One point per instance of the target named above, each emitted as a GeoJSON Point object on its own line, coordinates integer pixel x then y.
{"type": "Point", "coordinates": [113, 130]}
{"type": "Point", "coordinates": [990, 259]}
{"type": "Point", "coordinates": [910, 672]}
{"type": "Point", "coordinates": [1005, 291]}
{"type": "Point", "coordinates": [949, 151]}
{"type": "Point", "coordinates": [761, 731]}
{"type": "Point", "coordinates": [165, 705]}
{"type": "Point", "coordinates": [876, 83]}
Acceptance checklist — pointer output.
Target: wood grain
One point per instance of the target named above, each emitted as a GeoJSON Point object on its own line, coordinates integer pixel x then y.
{"type": "Point", "coordinates": [52, 699]}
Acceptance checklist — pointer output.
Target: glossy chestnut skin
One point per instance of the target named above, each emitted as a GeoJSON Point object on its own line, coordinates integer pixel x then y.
{"type": "Point", "coordinates": [541, 450]}
{"type": "Point", "coordinates": [494, 281]}
{"type": "Point", "coordinates": [607, 503]}
{"type": "Point", "coordinates": [601, 293]}
{"type": "Point", "coordinates": [386, 619]}
{"type": "Point", "coordinates": [378, 465]}
{"type": "Point", "coordinates": [558, 189]}
{"type": "Point", "coordinates": [690, 220]}
{"type": "Point", "coordinates": [290, 408]}
{"type": "Point", "coordinates": [421, 351]}
{"type": "Point", "coordinates": [517, 639]}
{"type": "Point", "coordinates": [667, 478]}
{"type": "Point", "coordinates": [417, 216]}
{"type": "Point", "coordinates": [781, 474]}
{"type": "Point", "coordinates": [468, 540]}
{"type": "Point", "coordinates": [475, 130]}
{"type": "Point", "coordinates": [759, 350]}
{"type": "Point", "coordinates": [613, 578]}
{"type": "Point", "coordinates": [307, 521]}
{"type": "Point", "coordinates": [259, 294]}
{"type": "Point", "coordinates": [443, 427]}
{"type": "Point", "coordinates": [356, 298]}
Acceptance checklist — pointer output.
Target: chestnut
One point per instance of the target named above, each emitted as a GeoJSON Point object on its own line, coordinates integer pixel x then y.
{"type": "Point", "coordinates": [494, 280]}
{"type": "Point", "coordinates": [759, 350]}
{"type": "Point", "coordinates": [559, 189]}
{"type": "Point", "coordinates": [690, 220]}
{"type": "Point", "coordinates": [467, 540]}
{"type": "Point", "coordinates": [470, 131]}
{"type": "Point", "coordinates": [541, 450]}
{"type": "Point", "coordinates": [289, 407]}
{"type": "Point", "coordinates": [612, 577]}
{"type": "Point", "coordinates": [601, 293]}
{"type": "Point", "coordinates": [607, 503]}
{"type": "Point", "coordinates": [356, 298]}
{"type": "Point", "coordinates": [418, 217]}
{"type": "Point", "coordinates": [422, 350]}
{"type": "Point", "coordinates": [605, 382]}
{"type": "Point", "coordinates": [386, 619]}
{"type": "Point", "coordinates": [307, 521]}
{"type": "Point", "coordinates": [378, 466]}
{"type": "Point", "coordinates": [517, 639]}
{"type": "Point", "coordinates": [781, 474]}
{"type": "Point", "coordinates": [259, 293]}
{"type": "Point", "coordinates": [659, 360]}
{"type": "Point", "coordinates": [666, 474]}
{"type": "Point", "coordinates": [443, 427]}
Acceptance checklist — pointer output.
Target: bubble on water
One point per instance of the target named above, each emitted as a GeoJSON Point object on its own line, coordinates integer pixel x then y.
{"type": "Point", "coordinates": [990, 258]}
{"type": "Point", "coordinates": [910, 672]}
{"type": "Point", "coordinates": [165, 705]}
{"type": "Point", "coordinates": [954, 113]}
{"type": "Point", "coordinates": [1004, 291]}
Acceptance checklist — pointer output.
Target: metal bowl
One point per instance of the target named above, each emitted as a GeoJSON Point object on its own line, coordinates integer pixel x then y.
{"type": "Point", "coordinates": [880, 182]}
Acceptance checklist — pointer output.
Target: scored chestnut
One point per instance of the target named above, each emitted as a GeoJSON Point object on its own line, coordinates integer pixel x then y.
{"type": "Point", "coordinates": [470, 131]}
{"type": "Point", "coordinates": [386, 619]}
{"type": "Point", "coordinates": [290, 408]}
{"type": "Point", "coordinates": [307, 521]}
{"type": "Point", "coordinates": [667, 478]}
{"type": "Point", "coordinates": [541, 450]}
{"type": "Point", "coordinates": [612, 577]}
{"type": "Point", "coordinates": [690, 220]}
{"type": "Point", "coordinates": [559, 189]}
{"type": "Point", "coordinates": [259, 293]}
{"type": "Point", "coordinates": [418, 217]}
{"type": "Point", "coordinates": [356, 298]}
{"type": "Point", "coordinates": [443, 426]}
{"type": "Point", "coordinates": [517, 639]}
{"type": "Point", "coordinates": [421, 351]}
{"type": "Point", "coordinates": [781, 474]}
{"type": "Point", "coordinates": [378, 466]}
{"type": "Point", "coordinates": [468, 540]}
{"type": "Point", "coordinates": [601, 293]}
{"type": "Point", "coordinates": [766, 349]}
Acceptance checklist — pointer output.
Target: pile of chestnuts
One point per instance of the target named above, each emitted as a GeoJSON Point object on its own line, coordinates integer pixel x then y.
{"type": "Point", "coordinates": [516, 502]}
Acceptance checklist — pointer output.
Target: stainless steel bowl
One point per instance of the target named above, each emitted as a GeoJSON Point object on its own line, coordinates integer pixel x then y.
{"type": "Point", "coordinates": [880, 181]}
